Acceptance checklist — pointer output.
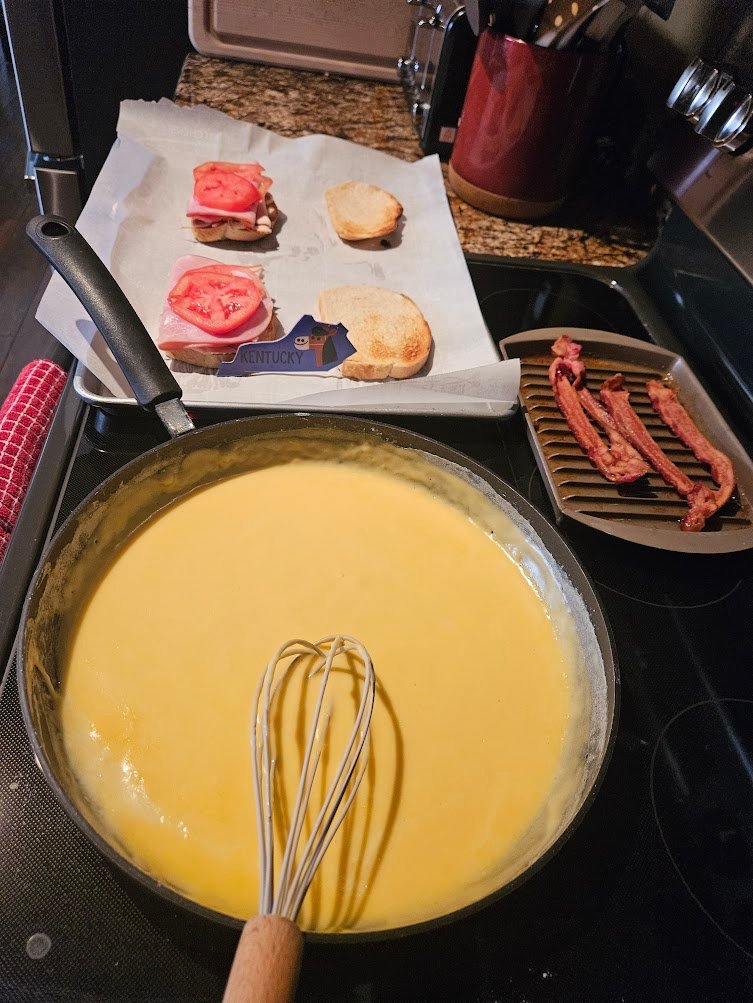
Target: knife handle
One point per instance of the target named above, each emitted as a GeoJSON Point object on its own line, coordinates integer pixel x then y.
{"type": "Point", "coordinates": [106, 303]}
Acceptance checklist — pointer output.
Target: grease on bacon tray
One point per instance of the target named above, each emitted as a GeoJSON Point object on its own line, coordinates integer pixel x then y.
{"type": "Point", "coordinates": [630, 442]}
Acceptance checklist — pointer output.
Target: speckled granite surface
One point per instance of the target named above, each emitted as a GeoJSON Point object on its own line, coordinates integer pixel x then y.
{"type": "Point", "coordinates": [598, 225]}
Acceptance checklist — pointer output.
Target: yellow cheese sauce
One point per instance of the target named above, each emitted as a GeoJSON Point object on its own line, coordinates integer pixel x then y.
{"type": "Point", "coordinates": [473, 689]}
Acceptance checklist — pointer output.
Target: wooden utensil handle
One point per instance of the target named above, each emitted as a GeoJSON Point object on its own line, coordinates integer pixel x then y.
{"type": "Point", "coordinates": [266, 963]}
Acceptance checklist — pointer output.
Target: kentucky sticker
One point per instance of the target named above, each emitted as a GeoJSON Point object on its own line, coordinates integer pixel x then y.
{"type": "Point", "coordinates": [310, 347]}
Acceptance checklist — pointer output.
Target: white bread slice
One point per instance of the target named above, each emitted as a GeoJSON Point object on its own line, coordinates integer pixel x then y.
{"type": "Point", "coordinates": [388, 331]}
{"type": "Point", "coordinates": [228, 229]}
{"type": "Point", "coordinates": [200, 355]}
{"type": "Point", "coordinates": [360, 211]}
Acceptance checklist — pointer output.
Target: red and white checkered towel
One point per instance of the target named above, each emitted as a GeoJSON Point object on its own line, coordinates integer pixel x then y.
{"type": "Point", "coordinates": [24, 421]}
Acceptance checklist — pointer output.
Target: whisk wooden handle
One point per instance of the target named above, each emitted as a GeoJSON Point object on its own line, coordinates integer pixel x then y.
{"type": "Point", "coordinates": [266, 963]}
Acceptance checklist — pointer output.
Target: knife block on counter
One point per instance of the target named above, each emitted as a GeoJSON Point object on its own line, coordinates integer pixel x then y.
{"type": "Point", "coordinates": [528, 114]}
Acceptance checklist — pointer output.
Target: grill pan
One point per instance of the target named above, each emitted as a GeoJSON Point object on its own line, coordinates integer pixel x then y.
{"type": "Point", "coordinates": [649, 511]}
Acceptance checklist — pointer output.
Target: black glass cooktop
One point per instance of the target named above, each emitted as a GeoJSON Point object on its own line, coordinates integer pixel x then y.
{"type": "Point", "coordinates": [650, 900]}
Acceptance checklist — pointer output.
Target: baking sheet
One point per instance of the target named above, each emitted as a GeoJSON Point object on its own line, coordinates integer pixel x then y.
{"type": "Point", "coordinates": [647, 512]}
{"type": "Point", "coordinates": [135, 220]}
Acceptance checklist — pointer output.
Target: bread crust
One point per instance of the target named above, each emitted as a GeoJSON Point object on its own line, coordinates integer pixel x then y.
{"type": "Point", "coordinates": [198, 355]}
{"type": "Point", "coordinates": [228, 229]}
{"type": "Point", "coordinates": [389, 332]}
{"type": "Point", "coordinates": [360, 211]}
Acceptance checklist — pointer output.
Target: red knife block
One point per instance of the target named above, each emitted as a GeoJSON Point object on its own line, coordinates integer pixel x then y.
{"type": "Point", "coordinates": [527, 116]}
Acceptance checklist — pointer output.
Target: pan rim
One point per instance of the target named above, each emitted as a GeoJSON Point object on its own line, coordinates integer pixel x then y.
{"type": "Point", "coordinates": [566, 558]}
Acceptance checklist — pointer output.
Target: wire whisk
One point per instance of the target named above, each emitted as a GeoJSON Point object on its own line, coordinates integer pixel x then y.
{"type": "Point", "coordinates": [268, 956]}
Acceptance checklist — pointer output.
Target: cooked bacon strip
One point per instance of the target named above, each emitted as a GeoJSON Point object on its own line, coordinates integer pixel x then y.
{"type": "Point", "coordinates": [700, 499]}
{"type": "Point", "coordinates": [701, 506]}
{"type": "Point", "coordinates": [599, 413]}
{"type": "Point", "coordinates": [611, 463]}
{"type": "Point", "coordinates": [569, 351]}
{"type": "Point", "coordinates": [619, 463]}
{"type": "Point", "coordinates": [670, 410]}
{"type": "Point", "coordinates": [619, 447]}
{"type": "Point", "coordinates": [566, 397]}
{"type": "Point", "coordinates": [618, 404]}
{"type": "Point", "coordinates": [566, 348]}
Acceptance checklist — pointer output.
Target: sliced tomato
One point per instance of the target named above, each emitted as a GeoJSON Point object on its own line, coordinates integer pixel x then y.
{"type": "Point", "coordinates": [250, 273]}
{"type": "Point", "coordinates": [254, 173]}
{"type": "Point", "coordinates": [213, 300]}
{"type": "Point", "coordinates": [226, 191]}
{"type": "Point", "coordinates": [248, 171]}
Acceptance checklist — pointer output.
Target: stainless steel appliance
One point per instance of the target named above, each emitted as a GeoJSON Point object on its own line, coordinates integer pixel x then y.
{"type": "Point", "coordinates": [74, 61]}
{"type": "Point", "coordinates": [705, 162]}
{"type": "Point", "coordinates": [435, 69]}
{"type": "Point", "coordinates": [706, 159]}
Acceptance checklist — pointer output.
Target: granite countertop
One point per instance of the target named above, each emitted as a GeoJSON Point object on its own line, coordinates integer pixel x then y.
{"type": "Point", "coordinates": [601, 223]}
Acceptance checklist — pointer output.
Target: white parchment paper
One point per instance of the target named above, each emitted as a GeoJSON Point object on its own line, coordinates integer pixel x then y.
{"type": "Point", "coordinates": [135, 220]}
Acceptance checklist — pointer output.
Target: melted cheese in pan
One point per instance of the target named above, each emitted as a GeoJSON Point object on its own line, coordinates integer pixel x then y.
{"type": "Point", "coordinates": [470, 719]}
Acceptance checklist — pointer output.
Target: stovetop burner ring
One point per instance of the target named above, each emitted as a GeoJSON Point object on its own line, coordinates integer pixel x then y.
{"type": "Point", "coordinates": [670, 605]}
{"type": "Point", "coordinates": [706, 818]}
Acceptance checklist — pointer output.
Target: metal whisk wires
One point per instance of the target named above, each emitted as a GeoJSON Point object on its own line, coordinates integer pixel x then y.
{"type": "Point", "coordinates": [297, 870]}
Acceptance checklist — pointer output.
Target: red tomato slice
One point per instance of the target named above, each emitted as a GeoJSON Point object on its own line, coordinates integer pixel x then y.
{"type": "Point", "coordinates": [213, 300]}
{"type": "Point", "coordinates": [226, 191]}
{"type": "Point", "coordinates": [254, 173]}
{"type": "Point", "coordinates": [248, 171]}
{"type": "Point", "coordinates": [229, 270]}
{"type": "Point", "coordinates": [233, 270]}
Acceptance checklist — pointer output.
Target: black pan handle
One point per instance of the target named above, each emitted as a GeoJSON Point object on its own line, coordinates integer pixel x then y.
{"type": "Point", "coordinates": [106, 303]}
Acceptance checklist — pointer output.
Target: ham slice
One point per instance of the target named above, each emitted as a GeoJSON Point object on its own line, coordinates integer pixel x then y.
{"type": "Point", "coordinates": [204, 214]}
{"type": "Point", "coordinates": [176, 333]}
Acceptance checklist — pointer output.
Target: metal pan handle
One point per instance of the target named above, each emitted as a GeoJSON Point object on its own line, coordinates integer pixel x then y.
{"type": "Point", "coordinates": [153, 385]}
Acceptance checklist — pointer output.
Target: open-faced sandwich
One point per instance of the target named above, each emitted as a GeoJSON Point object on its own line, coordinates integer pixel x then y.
{"type": "Point", "coordinates": [388, 331]}
{"type": "Point", "coordinates": [212, 309]}
{"type": "Point", "coordinates": [231, 202]}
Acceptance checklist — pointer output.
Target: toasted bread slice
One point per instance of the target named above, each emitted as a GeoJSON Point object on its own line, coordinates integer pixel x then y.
{"type": "Point", "coordinates": [388, 331]}
{"type": "Point", "coordinates": [201, 355]}
{"type": "Point", "coordinates": [228, 229]}
{"type": "Point", "coordinates": [360, 211]}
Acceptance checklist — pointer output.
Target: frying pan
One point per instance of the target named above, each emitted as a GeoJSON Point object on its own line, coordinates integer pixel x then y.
{"type": "Point", "coordinates": [85, 544]}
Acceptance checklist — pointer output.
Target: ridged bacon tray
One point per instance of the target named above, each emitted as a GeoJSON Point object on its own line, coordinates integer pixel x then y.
{"type": "Point", "coordinates": [648, 511]}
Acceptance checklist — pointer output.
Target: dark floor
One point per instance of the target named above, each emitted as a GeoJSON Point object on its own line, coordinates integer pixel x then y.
{"type": "Point", "coordinates": [23, 272]}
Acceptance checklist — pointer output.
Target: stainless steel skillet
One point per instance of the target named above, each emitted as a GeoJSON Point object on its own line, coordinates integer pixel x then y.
{"type": "Point", "coordinates": [85, 544]}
